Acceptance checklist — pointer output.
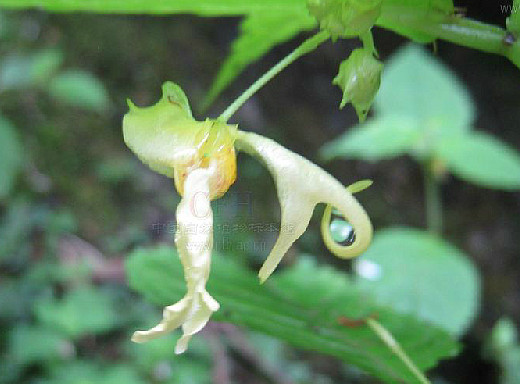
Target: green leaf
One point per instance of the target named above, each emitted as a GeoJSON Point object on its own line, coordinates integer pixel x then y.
{"type": "Point", "coordinates": [88, 372]}
{"type": "Point", "coordinates": [259, 32]}
{"type": "Point", "coordinates": [421, 275]}
{"type": "Point", "coordinates": [23, 71]}
{"type": "Point", "coordinates": [396, 12]}
{"type": "Point", "coordinates": [29, 344]}
{"type": "Point", "coordinates": [155, 358]}
{"type": "Point", "coordinates": [301, 307]}
{"type": "Point", "coordinates": [79, 89]}
{"type": "Point", "coordinates": [379, 138]}
{"type": "Point", "coordinates": [44, 64]}
{"type": "Point", "coordinates": [11, 158]}
{"type": "Point", "coordinates": [82, 311]}
{"type": "Point", "coordinates": [513, 21]}
{"type": "Point", "coordinates": [417, 86]}
{"type": "Point", "coordinates": [481, 159]}
{"type": "Point", "coordinates": [200, 7]}
{"type": "Point", "coordinates": [14, 70]}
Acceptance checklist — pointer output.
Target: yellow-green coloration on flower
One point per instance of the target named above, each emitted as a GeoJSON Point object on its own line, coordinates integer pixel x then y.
{"type": "Point", "coordinates": [167, 138]}
{"type": "Point", "coordinates": [200, 156]}
{"type": "Point", "coordinates": [345, 18]}
{"type": "Point", "coordinates": [359, 77]}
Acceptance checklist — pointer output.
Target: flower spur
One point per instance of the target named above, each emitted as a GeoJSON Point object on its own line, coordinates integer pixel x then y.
{"type": "Point", "coordinates": [200, 156]}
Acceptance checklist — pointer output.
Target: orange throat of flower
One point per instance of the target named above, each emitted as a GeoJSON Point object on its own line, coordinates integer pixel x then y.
{"type": "Point", "coordinates": [216, 149]}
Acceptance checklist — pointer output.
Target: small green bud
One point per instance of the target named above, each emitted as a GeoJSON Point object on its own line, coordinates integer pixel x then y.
{"type": "Point", "coordinates": [359, 77]}
{"type": "Point", "coordinates": [345, 18]}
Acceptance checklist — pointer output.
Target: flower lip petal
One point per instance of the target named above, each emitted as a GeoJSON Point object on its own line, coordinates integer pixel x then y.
{"type": "Point", "coordinates": [194, 240]}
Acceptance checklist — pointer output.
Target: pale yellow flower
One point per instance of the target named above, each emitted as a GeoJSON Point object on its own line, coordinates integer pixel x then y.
{"type": "Point", "coordinates": [200, 156]}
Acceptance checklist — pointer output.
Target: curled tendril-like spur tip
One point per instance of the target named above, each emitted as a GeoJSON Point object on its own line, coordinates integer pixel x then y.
{"type": "Point", "coordinates": [301, 185]}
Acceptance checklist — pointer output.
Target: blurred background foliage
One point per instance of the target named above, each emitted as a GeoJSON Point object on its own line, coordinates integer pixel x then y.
{"type": "Point", "coordinates": [75, 203]}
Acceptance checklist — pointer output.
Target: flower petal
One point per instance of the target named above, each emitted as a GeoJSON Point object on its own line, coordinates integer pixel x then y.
{"type": "Point", "coordinates": [301, 185]}
{"type": "Point", "coordinates": [194, 240]}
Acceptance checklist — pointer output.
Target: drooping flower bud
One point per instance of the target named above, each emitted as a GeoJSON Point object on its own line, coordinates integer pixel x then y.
{"type": "Point", "coordinates": [167, 138]}
{"type": "Point", "coordinates": [359, 77]}
{"type": "Point", "coordinates": [345, 18]}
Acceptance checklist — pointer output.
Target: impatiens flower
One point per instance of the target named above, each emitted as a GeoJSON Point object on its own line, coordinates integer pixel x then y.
{"type": "Point", "coordinates": [200, 156]}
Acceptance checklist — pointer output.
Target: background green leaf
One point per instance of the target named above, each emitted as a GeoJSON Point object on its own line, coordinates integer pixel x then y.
{"type": "Point", "coordinates": [481, 159]}
{"type": "Point", "coordinates": [82, 311]}
{"type": "Point", "coordinates": [302, 307]}
{"type": "Point", "coordinates": [414, 84]}
{"type": "Point", "coordinates": [379, 138]}
{"type": "Point", "coordinates": [419, 274]}
{"type": "Point", "coordinates": [85, 373]}
{"type": "Point", "coordinates": [11, 158]}
{"type": "Point", "coordinates": [19, 71]}
{"type": "Point", "coordinates": [80, 89]}
{"type": "Point", "coordinates": [29, 344]}
{"type": "Point", "coordinates": [259, 32]}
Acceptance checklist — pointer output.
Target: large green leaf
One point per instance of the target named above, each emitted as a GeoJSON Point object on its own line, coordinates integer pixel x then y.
{"type": "Point", "coordinates": [200, 7]}
{"type": "Point", "coordinates": [481, 159]}
{"type": "Point", "coordinates": [302, 307]}
{"type": "Point", "coordinates": [259, 32]}
{"type": "Point", "coordinates": [419, 274]}
{"type": "Point", "coordinates": [379, 138]}
{"type": "Point", "coordinates": [415, 84]}
{"type": "Point", "coordinates": [10, 156]}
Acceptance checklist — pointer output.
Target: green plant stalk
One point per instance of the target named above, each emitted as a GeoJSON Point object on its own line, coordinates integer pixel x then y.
{"type": "Point", "coordinates": [307, 46]}
{"type": "Point", "coordinates": [433, 199]}
{"type": "Point", "coordinates": [455, 29]}
{"type": "Point", "coordinates": [387, 338]}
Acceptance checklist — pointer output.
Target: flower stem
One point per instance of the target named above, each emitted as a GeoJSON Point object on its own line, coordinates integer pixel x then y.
{"type": "Point", "coordinates": [387, 338]}
{"type": "Point", "coordinates": [433, 199]}
{"type": "Point", "coordinates": [455, 29]}
{"type": "Point", "coordinates": [307, 46]}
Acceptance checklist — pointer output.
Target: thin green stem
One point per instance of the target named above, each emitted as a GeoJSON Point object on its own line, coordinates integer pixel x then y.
{"type": "Point", "coordinates": [368, 42]}
{"type": "Point", "coordinates": [433, 199]}
{"type": "Point", "coordinates": [387, 338]}
{"type": "Point", "coordinates": [307, 46]}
